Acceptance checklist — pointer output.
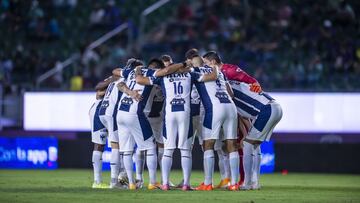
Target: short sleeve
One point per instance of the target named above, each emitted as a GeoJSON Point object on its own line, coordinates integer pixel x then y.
{"type": "Point", "coordinates": [154, 80]}
{"type": "Point", "coordinates": [126, 72]}
{"type": "Point", "coordinates": [150, 73]}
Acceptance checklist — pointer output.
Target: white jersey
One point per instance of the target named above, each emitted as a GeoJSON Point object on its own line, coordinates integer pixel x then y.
{"type": "Point", "coordinates": [111, 98]}
{"type": "Point", "coordinates": [127, 104]}
{"type": "Point", "coordinates": [248, 103]}
{"type": "Point", "coordinates": [195, 102]}
{"type": "Point", "coordinates": [176, 89]}
{"type": "Point", "coordinates": [212, 93]}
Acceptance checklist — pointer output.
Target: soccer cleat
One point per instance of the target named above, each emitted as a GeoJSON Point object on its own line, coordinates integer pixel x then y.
{"type": "Point", "coordinates": [165, 187]}
{"type": "Point", "coordinates": [233, 187]}
{"type": "Point", "coordinates": [139, 183]}
{"type": "Point", "coordinates": [223, 183]}
{"type": "Point", "coordinates": [132, 186]}
{"type": "Point", "coordinates": [100, 186]}
{"type": "Point", "coordinates": [154, 186]}
{"type": "Point", "coordinates": [203, 187]}
{"type": "Point", "coordinates": [186, 188]}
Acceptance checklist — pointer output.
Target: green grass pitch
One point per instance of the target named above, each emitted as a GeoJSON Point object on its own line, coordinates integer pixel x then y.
{"type": "Point", "coordinates": [74, 186]}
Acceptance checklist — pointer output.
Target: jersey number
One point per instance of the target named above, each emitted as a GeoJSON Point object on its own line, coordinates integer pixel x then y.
{"type": "Point", "coordinates": [132, 85]}
{"type": "Point", "coordinates": [178, 88]}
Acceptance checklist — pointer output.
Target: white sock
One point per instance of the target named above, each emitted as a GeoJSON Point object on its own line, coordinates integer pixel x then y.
{"type": "Point", "coordinates": [234, 160]}
{"type": "Point", "coordinates": [121, 162]}
{"type": "Point", "coordinates": [256, 165]}
{"type": "Point", "coordinates": [160, 155]}
{"type": "Point", "coordinates": [128, 163]}
{"type": "Point", "coordinates": [114, 165]}
{"type": "Point", "coordinates": [186, 164]}
{"type": "Point", "coordinates": [227, 165]}
{"type": "Point", "coordinates": [139, 164]}
{"type": "Point", "coordinates": [166, 165]}
{"type": "Point", "coordinates": [248, 151]}
{"type": "Point", "coordinates": [97, 165]}
{"type": "Point", "coordinates": [151, 162]}
{"type": "Point", "coordinates": [209, 166]}
{"type": "Point", "coordinates": [221, 164]}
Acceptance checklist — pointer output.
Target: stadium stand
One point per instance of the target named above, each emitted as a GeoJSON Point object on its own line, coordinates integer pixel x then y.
{"type": "Point", "coordinates": [288, 46]}
{"type": "Point", "coordinates": [301, 45]}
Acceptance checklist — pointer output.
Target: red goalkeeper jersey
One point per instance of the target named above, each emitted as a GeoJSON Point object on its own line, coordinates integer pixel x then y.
{"type": "Point", "coordinates": [234, 72]}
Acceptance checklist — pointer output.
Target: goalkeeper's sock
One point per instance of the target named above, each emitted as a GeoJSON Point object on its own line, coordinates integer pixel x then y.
{"type": "Point", "coordinates": [97, 165]}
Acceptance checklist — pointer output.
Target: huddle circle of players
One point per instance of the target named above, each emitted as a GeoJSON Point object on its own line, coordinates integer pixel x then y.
{"type": "Point", "coordinates": [146, 112]}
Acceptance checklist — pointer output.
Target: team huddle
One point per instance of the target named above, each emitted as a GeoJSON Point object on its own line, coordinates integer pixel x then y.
{"type": "Point", "coordinates": [147, 111]}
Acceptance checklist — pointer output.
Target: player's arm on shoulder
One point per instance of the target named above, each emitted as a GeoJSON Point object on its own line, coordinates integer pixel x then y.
{"type": "Point", "coordinates": [100, 94]}
{"type": "Point", "coordinates": [229, 90]}
{"type": "Point", "coordinates": [210, 76]}
{"type": "Point", "coordinates": [132, 93]}
{"type": "Point", "coordinates": [170, 69]}
{"type": "Point", "coordinates": [140, 79]}
{"type": "Point", "coordinates": [103, 84]}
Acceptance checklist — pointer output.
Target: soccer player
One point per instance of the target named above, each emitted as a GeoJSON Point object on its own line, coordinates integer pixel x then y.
{"type": "Point", "coordinates": [177, 124]}
{"type": "Point", "coordinates": [98, 137]}
{"type": "Point", "coordinates": [265, 113]}
{"type": "Point", "coordinates": [133, 125]}
{"type": "Point", "coordinates": [108, 112]}
{"type": "Point", "coordinates": [220, 112]}
{"type": "Point", "coordinates": [231, 72]}
{"type": "Point", "coordinates": [155, 116]}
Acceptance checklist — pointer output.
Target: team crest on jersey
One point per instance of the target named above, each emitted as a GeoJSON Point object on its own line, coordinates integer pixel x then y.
{"type": "Point", "coordinates": [223, 97]}
{"type": "Point", "coordinates": [126, 102]}
{"type": "Point", "coordinates": [177, 104]}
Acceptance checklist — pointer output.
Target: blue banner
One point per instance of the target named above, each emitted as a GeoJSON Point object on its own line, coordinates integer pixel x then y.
{"type": "Point", "coordinates": [28, 152]}
{"type": "Point", "coordinates": [267, 157]}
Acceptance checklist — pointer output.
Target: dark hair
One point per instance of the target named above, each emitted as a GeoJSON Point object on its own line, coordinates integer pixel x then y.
{"type": "Point", "coordinates": [191, 53]}
{"type": "Point", "coordinates": [212, 55]}
{"type": "Point", "coordinates": [133, 62]}
{"type": "Point", "coordinates": [158, 62]}
{"type": "Point", "coordinates": [166, 58]}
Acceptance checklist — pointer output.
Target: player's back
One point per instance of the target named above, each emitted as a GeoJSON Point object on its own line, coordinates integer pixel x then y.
{"type": "Point", "coordinates": [248, 103]}
{"type": "Point", "coordinates": [127, 104]}
{"type": "Point", "coordinates": [111, 98]}
{"type": "Point", "coordinates": [176, 89]}
{"type": "Point", "coordinates": [213, 93]}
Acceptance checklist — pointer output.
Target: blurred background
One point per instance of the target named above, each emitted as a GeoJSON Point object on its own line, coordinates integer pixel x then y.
{"type": "Point", "coordinates": [306, 53]}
